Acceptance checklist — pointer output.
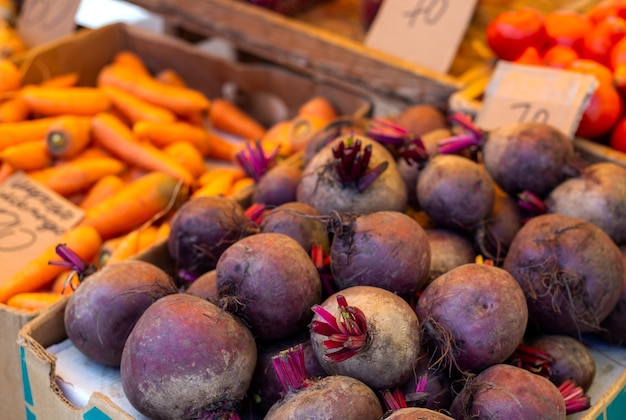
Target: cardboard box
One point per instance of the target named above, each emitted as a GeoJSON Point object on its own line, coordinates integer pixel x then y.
{"type": "Point", "coordinates": [87, 52]}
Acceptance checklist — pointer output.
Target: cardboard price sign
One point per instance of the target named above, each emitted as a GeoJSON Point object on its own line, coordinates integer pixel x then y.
{"type": "Point", "coordinates": [520, 93]}
{"type": "Point", "coordinates": [425, 32]}
{"type": "Point", "coordinates": [42, 21]}
{"type": "Point", "coordinates": [31, 219]}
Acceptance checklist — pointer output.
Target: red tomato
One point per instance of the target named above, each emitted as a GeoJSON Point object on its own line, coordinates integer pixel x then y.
{"type": "Point", "coordinates": [601, 114]}
{"type": "Point", "coordinates": [567, 27]}
{"type": "Point", "coordinates": [601, 72]}
{"type": "Point", "coordinates": [607, 8]}
{"type": "Point", "coordinates": [530, 57]}
{"type": "Point", "coordinates": [513, 31]}
{"type": "Point", "coordinates": [559, 56]}
{"type": "Point", "coordinates": [598, 42]}
{"type": "Point", "coordinates": [618, 136]}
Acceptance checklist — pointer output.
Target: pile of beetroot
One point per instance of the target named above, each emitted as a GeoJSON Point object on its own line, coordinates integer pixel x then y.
{"type": "Point", "coordinates": [410, 267]}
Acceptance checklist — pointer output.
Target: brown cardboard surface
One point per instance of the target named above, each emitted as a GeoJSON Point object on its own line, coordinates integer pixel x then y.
{"type": "Point", "coordinates": [86, 52]}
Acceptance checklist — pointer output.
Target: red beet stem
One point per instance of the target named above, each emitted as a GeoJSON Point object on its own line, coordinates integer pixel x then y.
{"type": "Point", "coordinates": [352, 164]}
{"type": "Point", "coordinates": [393, 400]}
{"type": "Point", "coordinates": [253, 160]}
{"type": "Point", "coordinates": [532, 359]}
{"type": "Point", "coordinates": [575, 400]}
{"type": "Point", "coordinates": [290, 368]}
{"type": "Point", "coordinates": [531, 203]}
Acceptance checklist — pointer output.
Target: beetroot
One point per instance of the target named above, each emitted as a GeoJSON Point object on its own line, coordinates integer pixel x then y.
{"type": "Point", "coordinates": [413, 413]}
{"type": "Point", "coordinates": [187, 359]}
{"type": "Point", "coordinates": [613, 327]}
{"type": "Point", "coordinates": [326, 398]}
{"type": "Point", "coordinates": [377, 337]}
{"type": "Point", "coordinates": [201, 230]}
{"type": "Point", "coordinates": [570, 270]}
{"type": "Point", "coordinates": [278, 185]}
{"type": "Point", "coordinates": [475, 315]}
{"type": "Point", "coordinates": [386, 249]}
{"type": "Point", "coordinates": [428, 387]}
{"type": "Point", "coordinates": [508, 392]}
{"type": "Point", "coordinates": [205, 286]}
{"type": "Point", "coordinates": [533, 157]}
{"type": "Point", "coordinates": [455, 191]}
{"type": "Point", "coordinates": [102, 311]}
{"type": "Point", "coordinates": [271, 282]}
{"type": "Point", "coordinates": [353, 173]}
{"type": "Point", "coordinates": [298, 221]}
{"type": "Point", "coordinates": [448, 249]}
{"type": "Point", "coordinates": [597, 195]}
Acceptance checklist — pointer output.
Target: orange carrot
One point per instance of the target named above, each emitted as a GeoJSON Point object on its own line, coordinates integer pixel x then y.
{"type": "Point", "coordinates": [6, 171]}
{"type": "Point", "coordinates": [14, 110]}
{"type": "Point", "coordinates": [235, 171]}
{"type": "Point", "coordinates": [220, 184]}
{"type": "Point", "coordinates": [114, 136]}
{"type": "Point", "coordinates": [103, 188]}
{"type": "Point", "coordinates": [29, 156]}
{"type": "Point", "coordinates": [226, 116]}
{"type": "Point", "coordinates": [107, 248]}
{"type": "Point", "coordinates": [241, 185]}
{"type": "Point", "coordinates": [147, 237]}
{"type": "Point", "coordinates": [180, 100]}
{"type": "Point", "coordinates": [137, 203]}
{"type": "Point", "coordinates": [223, 149]}
{"type": "Point", "coordinates": [92, 151]}
{"type": "Point", "coordinates": [318, 106]}
{"type": "Point", "coordinates": [76, 175]}
{"type": "Point", "coordinates": [65, 283]}
{"type": "Point", "coordinates": [162, 134]}
{"type": "Point", "coordinates": [63, 80]}
{"type": "Point", "coordinates": [33, 301]}
{"type": "Point", "coordinates": [303, 128]}
{"type": "Point", "coordinates": [278, 135]}
{"type": "Point", "coordinates": [83, 240]}
{"type": "Point", "coordinates": [131, 61]}
{"type": "Point", "coordinates": [134, 109]}
{"type": "Point", "coordinates": [10, 76]}
{"type": "Point", "coordinates": [170, 77]}
{"type": "Point", "coordinates": [163, 232]}
{"type": "Point", "coordinates": [80, 100]}
{"type": "Point", "coordinates": [23, 131]}
{"type": "Point", "coordinates": [188, 156]}
{"type": "Point", "coordinates": [127, 247]}
{"type": "Point", "coordinates": [68, 136]}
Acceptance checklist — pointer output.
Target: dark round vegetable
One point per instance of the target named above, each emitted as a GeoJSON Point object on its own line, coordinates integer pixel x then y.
{"type": "Point", "coordinates": [102, 311]}
{"type": "Point", "coordinates": [271, 282]}
{"type": "Point", "coordinates": [508, 392]}
{"type": "Point", "coordinates": [570, 270]}
{"type": "Point", "coordinates": [205, 286]}
{"type": "Point", "coordinates": [533, 157]}
{"type": "Point", "coordinates": [201, 230]}
{"type": "Point", "coordinates": [278, 185]}
{"type": "Point", "coordinates": [186, 358]}
{"type": "Point", "coordinates": [386, 249]}
{"type": "Point", "coordinates": [455, 191]}
{"type": "Point", "coordinates": [613, 327]}
{"type": "Point", "coordinates": [420, 119]}
{"type": "Point", "coordinates": [415, 413]}
{"type": "Point", "coordinates": [448, 249]}
{"type": "Point", "coordinates": [437, 389]}
{"type": "Point", "coordinates": [474, 315]}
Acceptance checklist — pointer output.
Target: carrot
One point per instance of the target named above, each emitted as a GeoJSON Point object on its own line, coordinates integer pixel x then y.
{"type": "Point", "coordinates": [188, 156]}
{"type": "Point", "coordinates": [80, 100]}
{"type": "Point", "coordinates": [220, 184]}
{"type": "Point", "coordinates": [318, 106]}
{"type": "Point", "coordinates": [180, 100]}
{"type": "Point", "coordinates": [279, 135]}
{"type": "Point", "coordinates": [226, 116]}
{"type": "Point", "coordinates": [65, 283]}
{"type": "Point", "coordinates": [29, 156]}
{"type": "Point", "coordinates": [83, 240]}
{"type": "Point", "coordinates": [236, 172]}
{"type": "Point", "coordinates": [93, 151]}
{"type": "Point", "coordinates": [241, 185]}
{"type": "Point", "coordinates": [303, 128]}
{"type": "Point", "coordinates": [33, 301]}
{"type": "Point", "coordinates": [140, 201]}
{"type": "Point", "coordinates": [10, 76]}
{"type": "Point", "coordinates": [114, 136]}
{"type": "Point", "coordinates": [147, 237]}
{"type": "Point", "coordinates": [107, 248]}
{"type": "Point", "coordinates": [63, 80]}
{"type": "Point", "coordinates": [162, 134]}
{"type": "Point", "coordinates": [223, 149]}
{"type": "Point", "coordinates": [163, 232]}
{"type": "Point", "coordinates": [134, 109]}
{"type": "Point", "coordinates": [102, 189]}
{"type": "Point", "coordinates": [131, 61]}
{"type": "Point", "coordinates": [170, 77]}
{"type": "Point", "coordinates": [76, 175]}
{"type": "Point", "coordinates": [23, 131]}
{"type": "Point", "coordinates": [6, 170]}
{"type": "Point", "coordinates": [68, 136]}
{"type": "Point", "coordinates": [14, 110]}
{"type": "Point", "coordinates": [127, 247]}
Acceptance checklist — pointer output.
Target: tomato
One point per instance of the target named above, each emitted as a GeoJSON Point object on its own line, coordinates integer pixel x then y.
{"type": "Point", "coordinates": [607, 8]}
{"type": "Point", "coordinates": [530, 57]}
{"type": "Point", "coordinates": [618, 137]}
{"type": "Point", "coordinates": [513, 31]}
{"type": "Point", "coordinates": [567, 27]}
{"type": "Point", "coordinates": [601, 72]}
{"type": "Point", "coordinates": [559, 56]}
{"type": "Point", "coordinates": [598, 42]}
{"type": "Point", "coordinates": [601, 113]}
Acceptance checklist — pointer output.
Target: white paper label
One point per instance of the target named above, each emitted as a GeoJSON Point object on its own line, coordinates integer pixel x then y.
{"type": "Point", "coordinates": [520, 93]}
{"type": "Point", "coordinates": [42, 21]}
{"type": "Point", "coordinates": [425, 32]}
{"type": "Point", "coordinates": [32, 218]}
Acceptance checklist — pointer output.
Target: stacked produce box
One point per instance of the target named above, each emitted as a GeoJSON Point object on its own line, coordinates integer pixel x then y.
{"type": "Point", "coordinates": [391, 200]}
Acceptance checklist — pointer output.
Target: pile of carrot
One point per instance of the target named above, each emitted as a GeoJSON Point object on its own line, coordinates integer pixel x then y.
{"type": "Point", "coordinates": [128, 151]}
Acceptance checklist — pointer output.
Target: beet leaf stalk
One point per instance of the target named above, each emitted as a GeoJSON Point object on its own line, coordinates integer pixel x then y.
{"type": "Point", "coordinates": [290, 369]}
{"type": "Point", "coordinates": [73, 262]}
{"type": "Point", "coordinates": [532, 359]}
{"type": "Point", "coordinates": [352, 164]}
{"type": "Point", "coordinates": [322, 263]}
{"type": "Point", "coordinates": [470, 136]}
{"type": "Point", "coordinates": [254, 161]}
{"type": "Point", "coordinates": [346, 332]}
{"type": "Point", "coordinates": [575, 399]}
{"type": "Point", "coordinates": [409, 146]}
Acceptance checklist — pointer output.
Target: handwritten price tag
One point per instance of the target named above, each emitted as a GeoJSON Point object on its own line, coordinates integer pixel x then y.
{"type": "Point", "coordinates": [425, 32]}
{"type": "Point", "coordinates": [42, 21]}
{"type": "Point", "coordinates": [519, 93]}
{"type": "Point", "coordinates": [31, 219]}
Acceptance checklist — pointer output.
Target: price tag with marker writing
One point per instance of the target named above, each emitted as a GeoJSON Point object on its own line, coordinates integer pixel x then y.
{"type": "Point", "coordinates": [520, 93]}
{"type": "Point", "coordinates": [425, 32]}
{"type": "Point", "coordinates": [42, 21]}
{"type": "Point", "coordinates": [31, 218]}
